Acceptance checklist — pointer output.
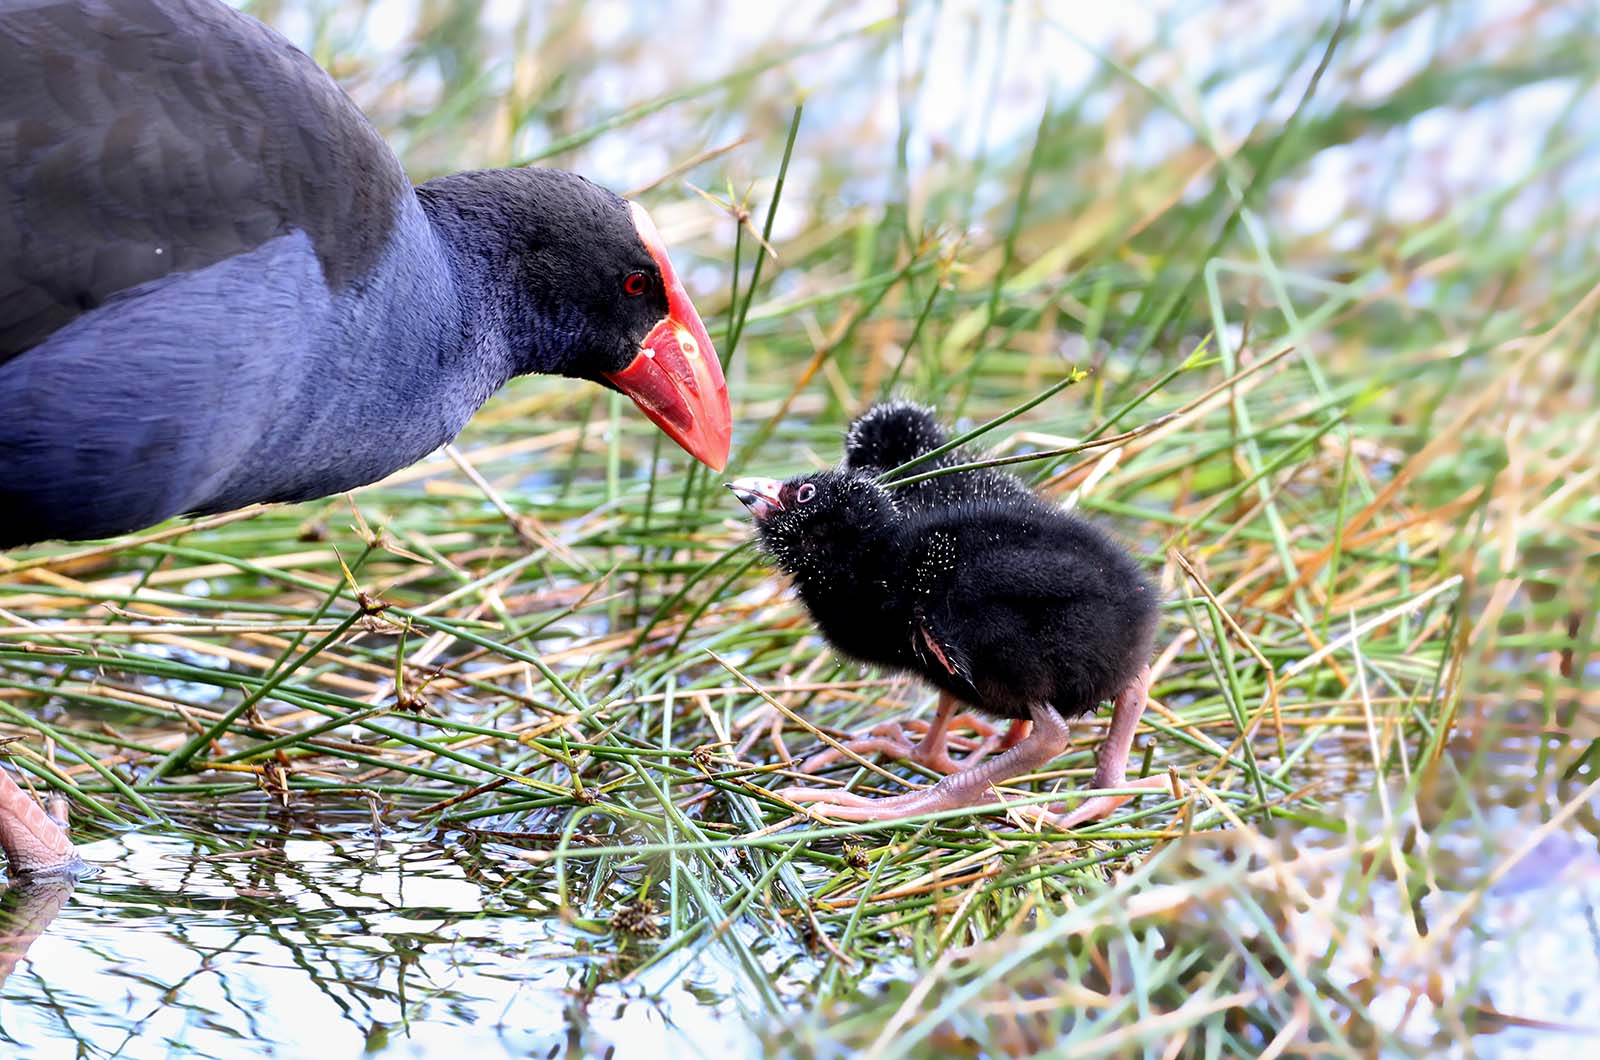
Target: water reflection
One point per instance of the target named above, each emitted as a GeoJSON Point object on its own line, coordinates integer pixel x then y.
{"type": "Point", "coordinates": [1524, 966]}
{"type": "Point", "coordinates": [27, 908]}
{"type": "Point", "coordinates": [334, 945]}
{"type": "Point", "coordinates": [300, 936]}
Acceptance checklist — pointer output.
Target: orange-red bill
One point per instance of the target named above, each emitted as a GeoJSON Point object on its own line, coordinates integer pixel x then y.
{"type": "Point", "coordinates": [676, 379]}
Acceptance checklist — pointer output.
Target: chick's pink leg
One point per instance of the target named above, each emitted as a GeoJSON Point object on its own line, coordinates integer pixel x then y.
{"type": "Point", "coordinates": [971, 786]}
{"type": "Point", "coordinates": [1111, 761]}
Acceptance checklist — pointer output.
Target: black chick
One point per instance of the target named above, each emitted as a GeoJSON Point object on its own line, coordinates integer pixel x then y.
{"type": "Point", "coordinates": [881, 439]}
{"type": "Point", "coordinates": [1000, 600]}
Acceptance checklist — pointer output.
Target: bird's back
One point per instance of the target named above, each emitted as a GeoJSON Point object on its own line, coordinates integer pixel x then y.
{"type": "Point", "coordinates": [143, 138]}
{"type": "Point", "coordinates": [1039, 604]}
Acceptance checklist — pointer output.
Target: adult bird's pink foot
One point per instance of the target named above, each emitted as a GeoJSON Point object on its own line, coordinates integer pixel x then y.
{"type": "Point", "coordinates": [35, 841]}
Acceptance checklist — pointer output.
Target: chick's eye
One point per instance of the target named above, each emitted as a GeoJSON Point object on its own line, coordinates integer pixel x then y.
{"type": "Point", "coordinates": [635, 283]}
{"type": "Point", "coordinates": [805, 493]}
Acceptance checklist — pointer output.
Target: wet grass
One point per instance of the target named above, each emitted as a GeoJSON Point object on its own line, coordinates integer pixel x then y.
{"type": "Point", "coordinates": [1336, 388]}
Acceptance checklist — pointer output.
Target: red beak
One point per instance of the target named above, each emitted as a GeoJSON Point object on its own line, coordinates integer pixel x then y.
{"type": "Point", "coordinates": [676, 379]}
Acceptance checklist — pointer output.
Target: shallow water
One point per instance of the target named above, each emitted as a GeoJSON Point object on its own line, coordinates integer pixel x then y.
{"type": "Point", "coordinates": [1528, 955]}
{"type": "Point", "coordinates": [314, 937]}
{"type": "Point", "coordinates": [341, 945]}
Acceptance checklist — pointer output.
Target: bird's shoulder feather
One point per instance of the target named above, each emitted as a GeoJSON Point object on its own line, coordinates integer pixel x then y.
{"type": "Point", "coordinates": [143, 138]}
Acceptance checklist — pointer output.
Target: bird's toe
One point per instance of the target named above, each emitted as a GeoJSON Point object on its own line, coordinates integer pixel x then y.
{"type": "Point", "coordinates": [885, 740]}
{"type": "Point", "coordinates": [1099, 807]}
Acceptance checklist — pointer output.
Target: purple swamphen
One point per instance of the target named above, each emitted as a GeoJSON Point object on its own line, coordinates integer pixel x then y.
{"type": "Point", "coordinates": [218, 287]}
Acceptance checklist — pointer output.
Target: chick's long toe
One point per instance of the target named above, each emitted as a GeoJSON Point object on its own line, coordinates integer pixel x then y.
{"type": "Point", "coordinates": [1111, 763]}
{"type": "Point", "coordinates": [937, 738]}
{"type": "Point", "coordinates": [974, 785]}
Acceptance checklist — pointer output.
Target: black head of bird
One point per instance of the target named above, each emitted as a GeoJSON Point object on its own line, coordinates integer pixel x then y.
{"type": "Point", "coordinates": [576, 281]}
{"type": "Point", "coordinates": [826, 529]}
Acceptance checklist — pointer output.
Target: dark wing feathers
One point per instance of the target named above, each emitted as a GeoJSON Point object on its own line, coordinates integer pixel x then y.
{"type": "Point", "coordinates": [934, 562]}
{"type": "Point", "coordinates": [140, 138]}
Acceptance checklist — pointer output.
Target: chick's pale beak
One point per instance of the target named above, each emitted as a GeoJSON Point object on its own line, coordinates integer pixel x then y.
{"type": "Point", "coordinates": [760, 495]}
{"type": "Point", "coordinates": [676, 379]}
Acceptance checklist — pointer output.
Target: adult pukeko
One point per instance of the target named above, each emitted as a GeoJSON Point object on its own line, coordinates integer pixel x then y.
{"type": "Point", "coordinates": [218, 287]}
{"type": "Point", "coordinates": [999, 599]}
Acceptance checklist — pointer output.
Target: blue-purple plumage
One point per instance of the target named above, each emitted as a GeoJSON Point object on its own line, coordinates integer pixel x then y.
{"type": "Point", "coordinates": [218, 287]}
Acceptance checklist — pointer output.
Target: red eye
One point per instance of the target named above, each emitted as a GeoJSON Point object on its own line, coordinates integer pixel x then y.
{"type": "Point", "coordinates": [634, 284]}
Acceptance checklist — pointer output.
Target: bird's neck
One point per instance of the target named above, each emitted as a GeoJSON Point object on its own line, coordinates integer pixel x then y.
{"type": "Point", "coordinates": [500, 322]}
{"type": "Point", "coordinates": [425, 328]}
{"type": "Point", "coordinates": [391, 367]}
{"type": "Point", "coordinates": [836, 574]}
{"type": "Point", "coordinates": [398, 362]}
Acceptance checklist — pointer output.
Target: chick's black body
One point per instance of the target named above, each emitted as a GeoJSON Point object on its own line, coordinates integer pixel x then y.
{"type": "Point", "coordinates": [996, 597]}
{"type": "Point", "coordinates": [1003, 603]}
